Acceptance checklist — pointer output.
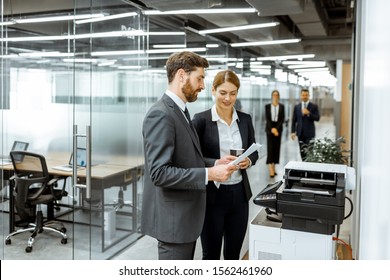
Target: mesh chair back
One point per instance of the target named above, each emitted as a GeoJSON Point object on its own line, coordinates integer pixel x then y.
{"type": "Point", "coordinates": [29, 164]}
{"type": "Point", "coordinates": [31, 176]}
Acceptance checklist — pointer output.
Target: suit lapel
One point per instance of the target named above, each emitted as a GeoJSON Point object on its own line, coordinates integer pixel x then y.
{"type": "Point", "coordinates": [191, 130]}
{"type": "Point", "coordinates": [183, 119]}
{"type": "Point", "coordinates": [299, 108]}
{"type": "Point", "coordinates": [268, 111]}
{"type": "Point", "coordinates": [279, 112]}
{"type": "Point", "coordinates": [214, 133]}
{"type": "Point", "coordinates": [243, 133]}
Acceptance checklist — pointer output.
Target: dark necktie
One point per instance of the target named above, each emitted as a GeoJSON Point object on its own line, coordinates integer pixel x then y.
{"type": "Point", "coordinates": [190, 123]}
{"type": "Point", "coordinates": [188, 116]}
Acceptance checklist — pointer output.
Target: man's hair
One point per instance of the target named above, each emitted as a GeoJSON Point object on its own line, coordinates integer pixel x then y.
{"type": "Point", "coordinates": [188, 61]}
{"type": "Point", "coordinates": [305, 90]}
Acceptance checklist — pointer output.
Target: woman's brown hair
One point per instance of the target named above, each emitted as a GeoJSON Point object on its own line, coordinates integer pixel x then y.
{"type": "Point", "coordinates": [226, 76]}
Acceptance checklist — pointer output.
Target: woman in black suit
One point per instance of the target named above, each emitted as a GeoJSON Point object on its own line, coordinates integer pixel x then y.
{"type": "Point", "coordinates": [274, 116]}
{"type": "Point", "coordinates": [219, 129]}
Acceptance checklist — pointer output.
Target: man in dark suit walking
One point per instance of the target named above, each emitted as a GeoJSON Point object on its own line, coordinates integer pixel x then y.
{"type": "Point", "coordinates": [304, 115]}
{"type": "Point", "coordinates": [176, 174]}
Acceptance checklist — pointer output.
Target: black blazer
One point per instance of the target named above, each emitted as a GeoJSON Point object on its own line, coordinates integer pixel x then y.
{"type": "Point", "coordinates": [209, 141]}
{"type": "Point", "coordinates": [304, 126]}
{"type": "Point", "coordinates": [268, 119]}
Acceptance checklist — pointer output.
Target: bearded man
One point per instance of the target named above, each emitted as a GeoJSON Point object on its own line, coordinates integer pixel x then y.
{"type": "Point", "coordinates": [176, 174]}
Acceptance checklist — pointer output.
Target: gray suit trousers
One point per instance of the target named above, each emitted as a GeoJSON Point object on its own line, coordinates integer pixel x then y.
{"type": "Point", "coordinates": [176, 251]}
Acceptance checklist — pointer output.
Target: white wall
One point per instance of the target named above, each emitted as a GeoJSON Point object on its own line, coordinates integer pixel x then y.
{"type": "Point", "coordinates": [372, 129]}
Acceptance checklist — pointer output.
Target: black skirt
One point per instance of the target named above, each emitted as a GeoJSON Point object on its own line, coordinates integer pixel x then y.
{"type": "Point", "coordinates": [273, 146]}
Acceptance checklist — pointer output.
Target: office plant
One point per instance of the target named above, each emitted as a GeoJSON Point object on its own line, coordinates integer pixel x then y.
{"type": "Point", "coordinates": [327, 150]}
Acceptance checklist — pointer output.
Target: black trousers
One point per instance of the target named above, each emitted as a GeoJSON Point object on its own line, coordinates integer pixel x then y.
{"type": "Point", "coordinates": [226, 219]}
{"type": "Point", "coordinates": [273, 148]}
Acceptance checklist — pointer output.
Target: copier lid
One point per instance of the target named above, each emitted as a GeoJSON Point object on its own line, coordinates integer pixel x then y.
{"type": "Point", "coordinates": [349, 172]}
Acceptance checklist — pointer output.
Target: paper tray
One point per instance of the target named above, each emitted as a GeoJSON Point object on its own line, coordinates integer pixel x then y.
{"type": "Point", "coordinates": [302, 189]}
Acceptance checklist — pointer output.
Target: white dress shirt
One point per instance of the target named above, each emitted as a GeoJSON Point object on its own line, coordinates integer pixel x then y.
{"type": "Point", "coordinates": [229, 137]}
{"type": "Point", "coordinates": [304, 106]}
{"type": "Point", "coordinates": [177, 101]}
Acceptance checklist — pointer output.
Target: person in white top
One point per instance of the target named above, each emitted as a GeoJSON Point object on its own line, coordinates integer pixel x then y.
{"type": "Point", "coordinates": [220, 129]}
{"type": "Point", "coordinates": [274, 117]}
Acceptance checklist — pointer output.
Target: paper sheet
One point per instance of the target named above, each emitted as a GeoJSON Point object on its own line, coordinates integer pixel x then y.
{"type": "Point", "coordinates": [254, 147]}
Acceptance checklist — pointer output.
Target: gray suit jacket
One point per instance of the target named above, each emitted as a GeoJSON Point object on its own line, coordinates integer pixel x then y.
{"type": "Point", "coordinates": [174, 195]}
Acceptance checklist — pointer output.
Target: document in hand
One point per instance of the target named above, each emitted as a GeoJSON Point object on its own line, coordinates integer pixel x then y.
{"type": "Point", "coordinates": [249, 151]}
{"type": "Point", "coordinates": [253, 148]}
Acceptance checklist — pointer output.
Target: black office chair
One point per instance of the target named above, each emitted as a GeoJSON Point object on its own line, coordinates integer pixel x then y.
{"type": "Point", "coordinates": [33, 187]}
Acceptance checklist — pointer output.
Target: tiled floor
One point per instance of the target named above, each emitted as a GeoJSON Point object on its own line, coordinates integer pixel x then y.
{"type": "Point", "coordinates": [146, 248]}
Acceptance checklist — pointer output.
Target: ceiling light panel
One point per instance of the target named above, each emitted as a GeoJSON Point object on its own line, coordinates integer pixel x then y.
{"type": "Point", "coordinates": [122, 33]}
{"type": "Point", "coordinates": [323, 64]}
{"type": "Point", "coordinates": [53, 18]}
{"type": "Point", "coordinates": [201, 11]}
{"type": "Point", "coordinates": [176, 50]}
{"type": "Point", "coordinates": [264, 43]}
{"type": "Point", "coordinates": [237, 28]}
{"type": "Point", "coordinates": [169, 46]}
{"type": "Point", "coordinates": [300, 62]}
{"type": "Point", "coordinates": [104, 18]}
{"type": "Point", "coordinates": [285, 57]}
{"type": "Point", "coordinates": [312, 69]}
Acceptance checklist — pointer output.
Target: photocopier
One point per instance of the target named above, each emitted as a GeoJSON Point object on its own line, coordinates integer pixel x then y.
{"type": "Point", "coordinates": [301, 212]}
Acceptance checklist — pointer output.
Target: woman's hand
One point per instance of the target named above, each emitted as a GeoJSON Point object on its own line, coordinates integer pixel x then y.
{"type": "Point", "coordinates": [244, 164]}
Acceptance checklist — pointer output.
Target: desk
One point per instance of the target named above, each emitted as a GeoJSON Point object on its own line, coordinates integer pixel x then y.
{"type": "Point", "coordinates": [116, 171]}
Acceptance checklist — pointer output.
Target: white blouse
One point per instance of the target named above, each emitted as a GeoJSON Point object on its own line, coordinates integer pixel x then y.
{"type": "Point", "coordinates": [229, 137]}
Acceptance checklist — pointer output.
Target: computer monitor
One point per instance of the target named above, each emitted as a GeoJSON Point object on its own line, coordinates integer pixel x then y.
{"type": "Point", "coordinates": [19, 146]}
{"type": "Point", "coordinates": [81, 159]}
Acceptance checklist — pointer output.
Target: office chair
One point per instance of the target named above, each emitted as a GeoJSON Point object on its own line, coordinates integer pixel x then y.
{"type": "Point", "coordinates": [33, 187]}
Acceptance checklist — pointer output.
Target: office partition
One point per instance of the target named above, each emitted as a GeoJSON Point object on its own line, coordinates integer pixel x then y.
{"type": "Point", "coordinates": [371, 226]}
{"type": "Point", "coordinates": [83, 74]}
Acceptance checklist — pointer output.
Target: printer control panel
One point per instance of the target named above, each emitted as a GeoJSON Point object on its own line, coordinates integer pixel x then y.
{"type": "Point", "coordinates": [267, 197]}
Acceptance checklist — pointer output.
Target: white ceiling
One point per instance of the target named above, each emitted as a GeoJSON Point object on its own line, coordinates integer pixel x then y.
{"type": "Point", "coordinates": [325, 26]}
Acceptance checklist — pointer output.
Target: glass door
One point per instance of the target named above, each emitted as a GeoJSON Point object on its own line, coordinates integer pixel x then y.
{"type": "Point", "coordinates": [72, 88]}
{"type": "Point", "coordinates": [33, 42]}
{"type": "Point", "coordinates": [108, 59]}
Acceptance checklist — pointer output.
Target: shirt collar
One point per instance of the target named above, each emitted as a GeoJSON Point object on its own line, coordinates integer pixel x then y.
{"type": "Point", "coordinates": [176, 99]}
{"type": "Point", "coordinates": [215, 117]}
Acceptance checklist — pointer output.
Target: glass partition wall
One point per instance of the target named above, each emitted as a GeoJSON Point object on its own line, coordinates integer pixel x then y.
{"type": "Point", "coordinates": [80, 76]}
{"type": "Point", "coordinates": [71, 82]}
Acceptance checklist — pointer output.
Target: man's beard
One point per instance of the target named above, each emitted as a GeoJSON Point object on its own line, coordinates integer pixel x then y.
{"type": "Point", "coordinates": [189, 92]}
